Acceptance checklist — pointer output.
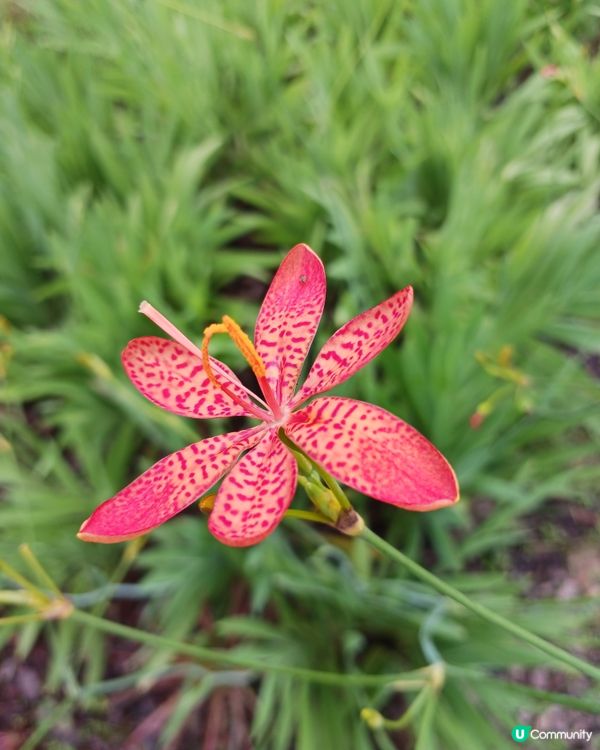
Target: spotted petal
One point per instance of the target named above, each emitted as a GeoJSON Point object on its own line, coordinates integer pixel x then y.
{"type": "Point", "coordinates": [288, 318]}
{"type": "Point", "coordinates": [171, 377]}
{"type": "Point", "coordinates": [374, 452]}
{"type": "Point", "coordinates": [166, 488]}
{"type": "Point", "coordinates": [255, 494]}
{"type": "Point", "coordinates": [356, 343]}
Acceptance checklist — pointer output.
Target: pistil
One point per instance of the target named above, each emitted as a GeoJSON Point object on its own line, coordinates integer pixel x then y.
{"type": "Point", "coordinates": [210, 367]}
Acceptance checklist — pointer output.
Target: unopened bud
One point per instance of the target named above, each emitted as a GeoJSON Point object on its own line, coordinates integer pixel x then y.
{"type": "Point", "coordinates": [372, 718]}
{"type": "Point", "coordinates": [58, 608]}
{"type": "Point", "coordinates": [322, 497]}
{"type": "Point", "coordinates": [550, 71]}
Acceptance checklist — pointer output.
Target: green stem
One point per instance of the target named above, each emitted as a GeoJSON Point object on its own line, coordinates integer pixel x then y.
{"type": "Point", "coordinates": [426, 726]}
{"type": "Point", "coordinates": [332, 483]}
{"type": "Point", "coordinates": [306, 515]}
{"type": "Point", "coordinates": [19, 619]}
{"type": "Point", "coordinates": [571, 701]}
{"type": "Point", "coordinates": [411, 712]}
{"type": "Point", "coordinates": [479, 609]}
{"type": "Point", "coordinates": [36, 567]}
{"type": "Point", "coordinates": [224, 657]}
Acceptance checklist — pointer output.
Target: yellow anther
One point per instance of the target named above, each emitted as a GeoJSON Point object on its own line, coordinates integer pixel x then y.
{"type": "Point", "coordinates": [240, 339]}
{"type": "Point", "coordinates": [243, 343]}
{"type": "Point", "coordinates": [207, 503]}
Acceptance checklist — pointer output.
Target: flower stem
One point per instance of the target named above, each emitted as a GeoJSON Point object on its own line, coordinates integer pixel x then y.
{"type": "Point", "coordinates": [307, 515]}
{"type": "Point", "coordinates": [411, 712]}
{"type": "Point", "coordinates": [38, 569]}
{"type": "Point", "coordinates": [216, 656]}
{"type": "Point", "coordinates": [333, 485]}
{"type": "Point", "coordinates": [307, 461]}
{"type": "Point", "coordinates": [376, 720]}
{"type": "Point", "coordinates": [487, 614]}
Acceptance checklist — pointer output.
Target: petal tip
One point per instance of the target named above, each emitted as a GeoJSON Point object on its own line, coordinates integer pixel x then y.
{"type": "Point", "coordinates": [90, 536]}
{"type": "Point", "coordinates": [451, 498]}
{"type": "Point", "coordinates": [303, 249]}
{"type": "Point", "coordinates": [445, 502]}
{"type": "Point", "coordinates": [86, 536]}
{"type": "Point", "coordinates": [408, 295]}
{"type": "Point", "coordinates": [436, 505]}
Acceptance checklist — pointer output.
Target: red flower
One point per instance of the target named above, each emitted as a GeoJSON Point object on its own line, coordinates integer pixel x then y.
{"type": "Point", "coordinates": [361, 445]}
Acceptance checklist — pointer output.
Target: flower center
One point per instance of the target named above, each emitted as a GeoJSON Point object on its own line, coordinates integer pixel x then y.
{"type": "Point", "coordinates": [246, 347]}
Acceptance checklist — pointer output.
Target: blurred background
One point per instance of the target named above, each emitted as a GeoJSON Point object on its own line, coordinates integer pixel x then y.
{"type": "Point", "coordinates": [173, 151]}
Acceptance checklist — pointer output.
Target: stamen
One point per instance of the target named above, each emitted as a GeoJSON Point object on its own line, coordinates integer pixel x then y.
{"type": "Point", "coordinates": [246, 347]}
{"type": "Point", "coordinates": [159, 319]}
{"type": "Point", "coordinates": [209, 332]}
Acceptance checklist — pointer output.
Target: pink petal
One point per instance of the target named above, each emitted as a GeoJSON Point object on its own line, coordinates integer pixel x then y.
{"type": "Point", "coordinates": [171, 377]}
{"type": "Point", "coordinates": [255, 494]}
{"type": "Point", "coordinates": [288, 318]}
{"type": "Point", "coordinates": [356, 343]}
{"type": "Point", "coordinates": [166, 488]}
{"type": "Point", "coordinates": [374, 452]}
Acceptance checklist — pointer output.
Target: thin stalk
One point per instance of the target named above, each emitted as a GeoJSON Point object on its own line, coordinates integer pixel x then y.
{"type": "Point", "coordinates": [215, 656]}
{"type": "Point", "coordinates": [426, 726]}
{"type": "Point", "coordinates": [16, 597]}
{"type": "Point", "coordinates": [579, 703]}
{"type": "Point", "coordinates": [132, 548]}
{"type": "Point", "coordinates": [15, 576]}
{"type": "Point", "coordinates": [20, 619]}
{"type": "Point", "coordinates": [331, 483]}
{"type": "Point", "coordinates": [376, 720]}
{"type": "Point", "coordinates": [306, 515]}
{"type": "Point", "coordinates": [34, 564]}
{"type": "Point", "coordinates": [411, 712]}
{"type": "Point", "coordinates": [487, 614]}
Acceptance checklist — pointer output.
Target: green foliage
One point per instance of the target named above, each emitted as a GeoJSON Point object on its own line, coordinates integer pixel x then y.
{"type": "Point", "coordinates": [173, 151]}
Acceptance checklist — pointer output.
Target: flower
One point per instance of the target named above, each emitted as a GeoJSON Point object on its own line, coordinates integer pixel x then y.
{"type": "Point", "coordinates": [361, 445]}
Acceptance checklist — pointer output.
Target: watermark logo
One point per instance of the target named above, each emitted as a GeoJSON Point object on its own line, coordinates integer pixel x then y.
{"type": "Point", "coordinates": [520, 733]}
